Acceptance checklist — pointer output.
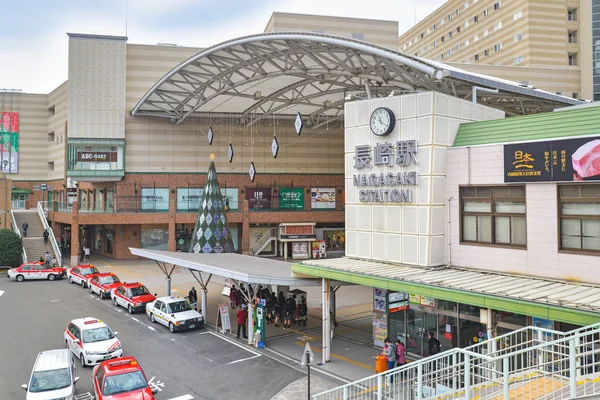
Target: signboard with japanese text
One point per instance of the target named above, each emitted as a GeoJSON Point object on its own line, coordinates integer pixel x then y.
{"type": "Point", "coordinates": [230, 197]}
{"type": "Point", "coordinates": [259, 198]}
{"type": "Point", "coordinates": [398, 301]}
{"type": "Point", "coordinates": [155, 199]}
{"type": "Point", "coordinates": [379, 302]}
{"type": "Point", "coordinates": [9, 142]}
{"type": "Point", "coordinates": [557, 161]}
{"type": "Point", "coordinates": [402, 153]}
{"type": "Point", "coordinates": [188, 199]}
{"type": "Point", "coordinates": [322, 198]}
{"type": "Point", "coordinates": [291, 199]}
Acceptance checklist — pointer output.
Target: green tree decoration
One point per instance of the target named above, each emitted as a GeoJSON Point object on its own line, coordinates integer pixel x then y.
{"type": "Point", "coordinates": [211, 234]}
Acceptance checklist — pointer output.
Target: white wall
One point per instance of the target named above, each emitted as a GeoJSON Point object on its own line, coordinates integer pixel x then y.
{"type": "Point", "coordinates": [407, 233]}
{"type": "Point", "coordinates": [541, 257]}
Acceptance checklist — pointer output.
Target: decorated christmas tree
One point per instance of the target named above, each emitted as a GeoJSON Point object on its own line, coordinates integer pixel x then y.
{"type": "Point", "coordinates": [211, 234]}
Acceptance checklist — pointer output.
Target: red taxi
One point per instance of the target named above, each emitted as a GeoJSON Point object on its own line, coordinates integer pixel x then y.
{"type": "Point", "coordinates": [103, 283]}
{"type": "Point", "coordinates": [132, 296]}
{"type": "Point", "coordinates": [80, 273]}
{"type": "Point", "coordinates": [35, 270]}
{"type": "Point", "coordinates": [122, 378]}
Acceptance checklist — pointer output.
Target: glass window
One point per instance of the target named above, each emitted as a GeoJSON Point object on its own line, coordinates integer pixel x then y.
{"type": "Point", "coordinates": [123, 383]}
{"type": "Point", "coordinates": [447, 332]}
{"type": "Point", "coordinates": [55, 379]}
{"type": "Point", "coordinates": [580, 217]}
{"type": "Point", "coordinates": [494, 215]}
{"type": "Point", "coordinates": [469, 310]}
{"type": "Point", "coordinates": [420, 323]}
{"type": "Point", "coordinates": [97, 335]}
{"type": "Point", "coordinates": [447, 305]}
{"type": "Point", "coordinates": [155, 237]}
{"type": "Point", "coordinates": [471, 332]}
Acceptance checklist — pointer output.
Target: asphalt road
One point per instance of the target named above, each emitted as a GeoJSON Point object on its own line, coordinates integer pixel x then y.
{"type": "Point", "coordinates": [198, 364]}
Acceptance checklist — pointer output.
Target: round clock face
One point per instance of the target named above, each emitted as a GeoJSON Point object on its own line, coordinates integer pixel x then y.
{"type": "Point", "coordinates": [382, 121]}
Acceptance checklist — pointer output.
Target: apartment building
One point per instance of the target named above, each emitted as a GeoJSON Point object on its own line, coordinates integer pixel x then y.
{"type": "Point", "coordinates": [546, 44]}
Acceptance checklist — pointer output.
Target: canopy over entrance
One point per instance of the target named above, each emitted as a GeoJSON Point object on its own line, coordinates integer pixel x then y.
{"type": "Point", "coordinates": [275, 74]}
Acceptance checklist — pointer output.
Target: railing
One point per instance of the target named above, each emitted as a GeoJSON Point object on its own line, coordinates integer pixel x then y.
{"type": "Point", "coordinates": [62, 207]}
{"type": "Point", "coordinates": [18, 232]}
{"type": "Point", "coordinates": [529, 363]}
{"type": "Point", "coordinates": [18, 204]}
{"type": "Point", "coordinates": [52, 238]}
{"type": "Point", "coordinates": [266, 237]}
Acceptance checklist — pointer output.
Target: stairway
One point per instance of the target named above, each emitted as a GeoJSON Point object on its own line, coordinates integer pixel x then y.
{"type": "Point", "coordinates": [34, 242]}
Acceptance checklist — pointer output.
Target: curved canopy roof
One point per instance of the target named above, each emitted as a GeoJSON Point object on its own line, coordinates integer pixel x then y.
{"type": "Point", "coordinates": [269, 74]}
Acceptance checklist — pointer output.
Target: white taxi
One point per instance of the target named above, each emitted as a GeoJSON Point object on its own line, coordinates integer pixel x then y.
{"type": "Point", "coordinates": [92, 341]}
{"type": "Point", "coordinates": [175, 313]}
{"type": "Point", "coordinates": [80, 274]}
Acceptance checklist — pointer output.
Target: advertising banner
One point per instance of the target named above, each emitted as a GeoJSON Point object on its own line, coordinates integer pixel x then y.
{"type": "Point", "coordinates": [299, 250]}
{"type": "Point", "coordinates": [322, 198]}
{"type": "Point", "coordinates": [398, 301]}
{"type": "Point", "coordinates": [379, 302]}
{"type": "Point", "coordinates": [557, 160]}
{"type": "Point", "coordinates": [291, 199]}
{"type": "Point", "coordinates": [230, 197]}
{"type": "Point", "coordinates": [380, 331]}
{"type": "Point", "coordinates": [9, 142]}
{"type": "Point", "coordinates": [155, 199]}
{"type": "Point", "coordinates": [259, 198]}
{"type": "Point", "coordinates": [188, 199]}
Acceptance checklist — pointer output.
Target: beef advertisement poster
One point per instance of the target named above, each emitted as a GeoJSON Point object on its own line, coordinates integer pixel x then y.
{"type": "Point", "coordinates": [568, 160]}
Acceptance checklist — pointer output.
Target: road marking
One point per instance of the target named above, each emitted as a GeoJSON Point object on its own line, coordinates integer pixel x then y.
{"type": "Point", "coordinates": [1, 292]}
{"type": "Point", "coordinates": [151, 328]}
{"type": "Point", "coordinates": [184, 397]}
{"type": "Point", "coordinates": [84, 396]}
{"type": "Point", "coordinates": [235, 344]}
{"type": "Point", "coordinates": [158, 385]}
{"type": "Point", "coordinates": [243, 359]}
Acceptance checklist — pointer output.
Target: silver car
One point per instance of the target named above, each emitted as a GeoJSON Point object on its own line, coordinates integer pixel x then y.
{"type": "Point", "coordinates": [53, 376]}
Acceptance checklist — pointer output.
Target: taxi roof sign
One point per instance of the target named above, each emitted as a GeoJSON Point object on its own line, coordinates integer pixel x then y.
{"type": "Point", "coordinates": [91, 321]}
{"type": "Point", "coordinates": [133, 363]}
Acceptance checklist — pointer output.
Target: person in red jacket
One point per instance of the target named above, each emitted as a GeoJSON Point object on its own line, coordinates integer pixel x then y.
{"type": "Point", "coordinates": [242, 317]}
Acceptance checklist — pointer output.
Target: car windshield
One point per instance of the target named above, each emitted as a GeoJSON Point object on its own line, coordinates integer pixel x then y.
{"type": "Point", "coordinates": [87, 271]}
{"type": "Point", "coordinates": [138, 291]}
{"type": "Point", "coordinates": [123, 383]}
{"type": "Point", "coordinates": [179, 306]}
{"type": "Point", "coordinates": [43, 381]}
{"type": "Point", "coordinates": [105, 280]}
{"type": "Point", "coordinates": [97, 334]}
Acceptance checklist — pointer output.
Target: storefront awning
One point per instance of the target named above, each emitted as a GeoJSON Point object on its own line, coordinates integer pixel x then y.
{"type": "Point", "coordinates": [545, 298]}
{"type": "Point", "coordinates": [21, 191]}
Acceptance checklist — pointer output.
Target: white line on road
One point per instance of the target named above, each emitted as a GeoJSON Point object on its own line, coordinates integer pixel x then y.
{"type": "Point", "coordinates": [243, 359]}
{"type": "Point", "coordinates": [1, 292]}
{"type": "Point", "coordinates": [184, 397]}
{"type": "Point", "coordinates": [235, 344]}
{"type": "Point", "coordinates": [151, 328]}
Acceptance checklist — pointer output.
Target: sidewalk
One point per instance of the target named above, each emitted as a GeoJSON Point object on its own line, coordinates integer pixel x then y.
{"type": "Point", "coordinates": [352, 353]}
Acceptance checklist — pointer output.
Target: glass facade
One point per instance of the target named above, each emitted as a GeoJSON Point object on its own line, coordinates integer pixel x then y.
{"type": "Point", "coordinates": [96, 158]}
{"type": "Point", "coordinates": [596, 48]}
{"type": "Point", "coordinates": [155, 237]}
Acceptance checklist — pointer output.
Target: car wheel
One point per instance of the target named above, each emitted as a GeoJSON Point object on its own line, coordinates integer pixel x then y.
{"type": "Point", "coordinates": [20, 278]}
{"type": "Point", "coordinates": [171, 327]}
{"type": "Point", "coordinates": [82, 359]}
{"type": "Point", "coordinates": [70, 279]}
{"type": "Point", "coordinates": [66, 344]}
{"type": "Point", "coordinates": [152, 318]}
{"type": "Point", "coordinates": [51, 277]}
{"type": "Point", "coordinates": [129, 309]}
{"type": "Point", "coordinates": [83, 283]}
{"type": "Point", "coordinates": [91, 291]}
{"type": "Point", "coordinates": [115, 301]}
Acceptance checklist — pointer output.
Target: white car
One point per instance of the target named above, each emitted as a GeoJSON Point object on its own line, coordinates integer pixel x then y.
{"type": "Point", "coordinates": [175, 313]}
{"type": "Point", "coordinates": [92, 341]}
{"type": "Point", "coordinates": [53, 376]}
{"type": "Point", "coordinates": [80, 274]}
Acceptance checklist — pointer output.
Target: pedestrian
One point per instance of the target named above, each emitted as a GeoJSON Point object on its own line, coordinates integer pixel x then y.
{"type": "Point", "coordinates": [390, 352]}
{"type": "Point", "coordinates": [87, 253]}
{"type": "Point", "coordinates": [242, 317]}
{"type": "Point", "coordinates": [400, 353]}
{"type": "Point", "coordinates": [239, 299]}
{"type": "Point", "coordinates": [302, 312]}
{"type": "Point", "coordinates": [42, 261]}
{"type": "Point", "coordinates": [47, 258]}
{"type": "Point", "coordinates": [25, 226]}
{"type": "Point", "coordinates": [289, 309]}
{"type": "Point", "coordinates": [294, 310]}
{"type": "Point", "coordinates": [46, 234]}
{"type": "Point", "coordinates": [232, 297]}
{"type": "Point", "coordinates": [271, 301]}
{"type": "Point", "coordinates": [81, 254]}
{"type": "Point", "coordinates": [193, 297]}
{"type": "Point", "coordinates": [281, 299]}
{"type": "Point", "coordinates": [433, 345]}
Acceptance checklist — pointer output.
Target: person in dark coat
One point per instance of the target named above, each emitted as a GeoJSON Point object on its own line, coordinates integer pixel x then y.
{"type": "Point", "coordinates": [193, 296]}
{"type": "Point", "coordinates": [46, 235]}
{"type": "Point", "coordinates": [271, 301]}
{"type": "Point", "coordinates": [233, 297]}
{"type": "Point", "coordinates": [302, 312]}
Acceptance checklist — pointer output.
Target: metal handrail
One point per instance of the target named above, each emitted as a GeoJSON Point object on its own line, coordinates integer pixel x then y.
{"type": "Point", "coordinates": [42, 215]}
{"type": "Point", "coordinates": [267, 236]}
{"type": "Point", "coordinates": [18, 232]}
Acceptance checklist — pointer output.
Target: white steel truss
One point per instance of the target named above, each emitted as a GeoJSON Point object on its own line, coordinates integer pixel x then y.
{"type": "Point", "coordinates": [280, 74]}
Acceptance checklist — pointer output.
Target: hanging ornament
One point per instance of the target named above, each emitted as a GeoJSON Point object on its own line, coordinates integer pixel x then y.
{"type": "Point", "coordinates": [275, 147]}
{"type": "Point", "coordinates": [211, 135]}
{"type": "Point", "coordinates": [298, 124]}
{"type": "Point", "coordinates": [252, 171]}
{"type": "Point", "coordinates": [230, 152]}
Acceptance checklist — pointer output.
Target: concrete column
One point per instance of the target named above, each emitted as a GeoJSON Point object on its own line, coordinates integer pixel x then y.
{"type": "Point", "coordinates": [172, 224]}
{"type": "Point", "coordinates": [285, 250]}
{"type": "Point", "coordinates": [490, 332]}
{"type": "Point", "coordinates": [75, 234]}
{"type": "Point", "coordinates": [250, 324]}
{"type": "Point", "coordinates": [203, 295]}
{"type": "Point", "coordinates": [245, 228]}
{"type": "Point", "coordinates": [326, 321]}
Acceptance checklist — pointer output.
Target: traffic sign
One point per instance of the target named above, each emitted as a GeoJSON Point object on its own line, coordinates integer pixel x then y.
{"type": "Point", "coordinates": [307, 354]}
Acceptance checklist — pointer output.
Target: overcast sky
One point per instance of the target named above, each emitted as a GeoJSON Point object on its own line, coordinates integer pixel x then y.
{"type": "Point", "coordinates": [34, 43]}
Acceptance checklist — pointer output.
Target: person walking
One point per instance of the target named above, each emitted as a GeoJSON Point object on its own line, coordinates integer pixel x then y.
{"type": "Point", "coordinates": [193, 297]}
{"type": "Point", "coordinates": [25, 226]}
{"type": "Point", "coordinates": [46, 235]}
{"type": "Point", "coordinates": [390, 352]}
{"type": "Point", "coordinates": [232, 297]}
{"type": "Point", "coordinates": [87, 253]}
{"type": "Point", "coordinates": [302, 312]}
{"type": "Point", "coordinates": [433, 345]}
{"type": "Point", "coordinates": [400, 353]}
{"type": "Point", "coordinates": [242, 317]}
{"type": "Point", "coordinates": [47, 259]}
{"type": "Point", "coordinates": [289, 309]}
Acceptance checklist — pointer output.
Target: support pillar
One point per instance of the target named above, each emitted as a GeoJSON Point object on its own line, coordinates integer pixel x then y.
{"type": "Point", "coordinates": [334, 290]}
{"type": "Point", "coordinates": [172, 232]}
{"type": "Point", "coordinates": [75, 234]}
{"type": "Point", "coordinates": [250, 324]}
{"type": "Point", "coordinates": [326, 321]}
{"type": "Point", "coordinates": [490, 332]}
{"type": "Point", "coordinates": [163, 267]}
{"type": "Point", "coordinates": [245, 247]}
{"type": "Point", "coordinates": [204, 296]}
{"type": "Point", "coordinates": [203, 292]}
{"type": "Point", "coordinates": [285, 250]}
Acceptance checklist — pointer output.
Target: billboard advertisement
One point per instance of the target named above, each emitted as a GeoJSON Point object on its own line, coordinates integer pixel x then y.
{"type": "Point", "coordinates": [188, 199]}
{"type": "Point", "coordinates": [291, 199]}
{"type": "Point", "coordinates": [155, 199]}
{"type": "Point", "coordinates": [322, 198]}
{"type": "Point", "coordinates": [9, 142]}
{"type": "Point", "coordinates": [568, 160]}
{"type": "Point", "coordinates": [259, 198]}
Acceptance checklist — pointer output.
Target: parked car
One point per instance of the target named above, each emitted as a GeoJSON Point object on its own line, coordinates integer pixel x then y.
{"type": "Point", "coordinates": [92, 341]}
{"type": "Point", "coordinates": [121, 379]}
{"type": "Point", "coordinates": [174, 313]}
{"type": "Point", "coordinates": [80, 274]}
{"type": "Point", "coordinates": [36, 270]}
{"type": "Point", "coordinates": [103, 283]}
{"type": "Point", "coordinates": [53, 376]}
{"type": "Point", "coordinates": [132, 296]}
